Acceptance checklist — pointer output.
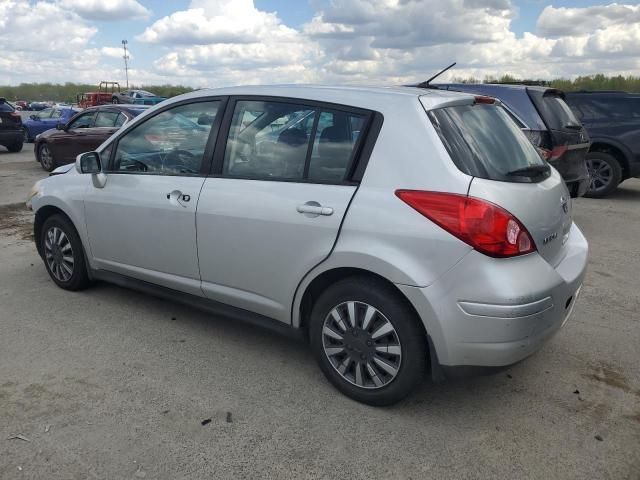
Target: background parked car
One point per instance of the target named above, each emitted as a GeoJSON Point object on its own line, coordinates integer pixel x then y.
{"type": "Point", "coordinates": [10, 127]}
{"type": "Point", "coordinates": [82, 133]}
{"type": "Point", "coordinates": [139, 97]}
{"type": "Point", "coordinates": [45, 120]}
{"type": "Point", "coordinates": [21, 105]}
{"type": "Point", "coordinates": [612, 120]}
{"type": "Point", "coordinates": [548, 122]}
{"type": "Point", "coordinates": [37, 106]}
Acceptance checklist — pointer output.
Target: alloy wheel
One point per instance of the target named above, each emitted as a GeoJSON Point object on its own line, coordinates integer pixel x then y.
{"type": "Point", "coordinates": [601, 174]}
{"type": "Point", "coordinates": [59, 254]}
{"type": "Point", "coordinates": [362, 345]}
{"type": "Point", "coordinates": [46, 159]}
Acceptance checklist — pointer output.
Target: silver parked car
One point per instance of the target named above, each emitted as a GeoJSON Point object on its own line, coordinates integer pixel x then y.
{"type": "Point", "coordinates": [401, 231]}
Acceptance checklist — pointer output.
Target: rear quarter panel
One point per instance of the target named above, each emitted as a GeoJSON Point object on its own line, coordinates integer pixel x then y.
{"type": "Point", "coordinates": [382, 234]}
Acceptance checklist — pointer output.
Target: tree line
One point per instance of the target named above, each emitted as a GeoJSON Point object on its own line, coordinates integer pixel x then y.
{"type": "Point", "coordinates": [67, 92]}
{"type": "Point", "coordinates": [34, 92]}
{"type": "Point", "coordinates": [588, 82]}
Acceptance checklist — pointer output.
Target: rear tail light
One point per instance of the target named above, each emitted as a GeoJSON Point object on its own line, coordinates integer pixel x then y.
{"type": "Point", "coordinates": [488, 228]}
{"type": "Point", "coordinates": [554, 154]}
{"type": "Point", "coordinates": [484, 99]}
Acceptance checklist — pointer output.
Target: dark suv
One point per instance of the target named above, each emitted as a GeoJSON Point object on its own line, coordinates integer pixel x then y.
{"type": "Point", "coordinates": [10, 127]}
{"type": "Point", "coordinates": [613, 122]}
{"type": "Point", "coordinates": [548, 122]}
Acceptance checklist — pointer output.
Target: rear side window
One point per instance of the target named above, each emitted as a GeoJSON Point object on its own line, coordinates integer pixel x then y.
{"type": "Point", "coordinates": [106, 119]}
{"type": "Point", "coordinates": [554, 110]}
{"type": "Point", "coordinates": [484, 142]}
{"type": "Point", "coordinates": [285, 141]}
{"type": "Point", "coordinates": [602, 108]}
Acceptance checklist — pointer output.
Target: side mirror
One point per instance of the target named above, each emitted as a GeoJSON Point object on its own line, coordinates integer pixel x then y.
{"type": "Point", "coordinates": [34, 117]}
{"type": "Point", "coordinates": [61, 126]}
{"type": "Point", "coordinates": [88, 163]}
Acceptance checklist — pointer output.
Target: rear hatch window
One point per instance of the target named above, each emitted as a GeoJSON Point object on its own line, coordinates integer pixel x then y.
{"type": "Point", "coordinates": [484, 142]}
{"type": "Point", "coordinates": [554, 110]}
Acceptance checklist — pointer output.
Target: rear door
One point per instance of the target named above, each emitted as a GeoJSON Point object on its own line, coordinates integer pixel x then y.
{"type": "Point", "coordinates": [273, 208]}
{"type": "Point", "coordinates": [483, 142]}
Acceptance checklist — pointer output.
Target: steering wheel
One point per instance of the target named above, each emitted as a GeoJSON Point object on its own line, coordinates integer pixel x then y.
{"type": "Point", "coordinates": [180, 160]}
{"type": "Point", "coordinates": [135, 166]}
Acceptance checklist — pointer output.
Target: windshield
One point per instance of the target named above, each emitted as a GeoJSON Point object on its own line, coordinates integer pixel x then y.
{"type": "Point", "coordinates": [483, 141]}
{"type": "Point", "coordinates": [6, 107]}
{"type": "Point", "coordinates": [554, 110]}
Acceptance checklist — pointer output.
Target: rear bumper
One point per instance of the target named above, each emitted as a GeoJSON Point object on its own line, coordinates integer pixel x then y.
{"type": "Point", "coordinates": [488, 312]}
{"type": "Point", "coordinates": [573, 168]}
{"type": "Point", "coordinates": [8, 137]}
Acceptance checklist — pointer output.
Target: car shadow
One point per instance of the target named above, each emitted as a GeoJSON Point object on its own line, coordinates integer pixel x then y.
{"type": "Point", "coordinates": [624, 193]}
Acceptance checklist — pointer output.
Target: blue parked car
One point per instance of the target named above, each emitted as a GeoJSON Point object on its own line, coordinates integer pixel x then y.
{"type": "Point", "coordinates": [46, 120]}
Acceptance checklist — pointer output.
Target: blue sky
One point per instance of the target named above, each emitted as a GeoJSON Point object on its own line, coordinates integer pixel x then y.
{"type": "Point", "coordinates": [222, 42]}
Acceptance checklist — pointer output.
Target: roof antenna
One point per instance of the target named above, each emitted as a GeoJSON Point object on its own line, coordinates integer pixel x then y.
{"type": "Point", "coordinates": [426, 83]}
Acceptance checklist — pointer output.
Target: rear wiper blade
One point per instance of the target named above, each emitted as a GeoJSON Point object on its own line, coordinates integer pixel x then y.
{"type": "Point", "coordinates": [530, 171]}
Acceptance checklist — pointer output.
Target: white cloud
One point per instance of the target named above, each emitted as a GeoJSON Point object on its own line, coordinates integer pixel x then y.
{"type": "Point", "coordinates": [563, 22]}
{"type": "Point", "coordinates": [223, 42]}
{"type": "Point", "coordinates": [107, 9]}
{"type": "Point", "coordinates": [115, 52]}
{"type": "Point", "coordinates": [230, 41]}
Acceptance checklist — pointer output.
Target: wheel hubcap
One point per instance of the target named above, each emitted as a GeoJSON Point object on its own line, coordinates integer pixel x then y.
{"type": "Point", "coordinates": [601, 174]}
{"type": "Point", "coordinates": [362, 345]}
{"type": "Point", "coordinates": [45, 156]}
{"type": "Point", "coordinates": [58, 254]}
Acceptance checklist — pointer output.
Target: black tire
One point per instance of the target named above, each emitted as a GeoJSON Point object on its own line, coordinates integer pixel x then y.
{"type": "Point", "coordinates": [26, 138]}
{"type": "Point", "coordinates": [79, 278]}
{"type": "Point", "coordinates": [15, 147]}
{"type": "Point", "coordinates": [46, 158]}
{"type": "Point", "coordinates": [599, 164]}
{"type": "Point", "coordinates": [410, 334]}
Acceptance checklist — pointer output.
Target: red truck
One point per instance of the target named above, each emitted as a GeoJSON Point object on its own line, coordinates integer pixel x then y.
{"type": "Point", "coordinates": [101, 97]}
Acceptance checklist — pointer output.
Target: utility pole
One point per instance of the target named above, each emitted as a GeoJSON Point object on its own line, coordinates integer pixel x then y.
{"type": "Point", "coordinates": [126, 57]}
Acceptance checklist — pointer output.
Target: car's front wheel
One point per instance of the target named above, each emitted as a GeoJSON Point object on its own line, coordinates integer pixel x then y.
{"type": "Point", "coordinates": [605, 172]}
{"type": "Point", "coordinates": [46, 158]}
{"type": "Point", "coordinates": [63, 255]}
{"type": "Point", "coordinates": [368, 341]}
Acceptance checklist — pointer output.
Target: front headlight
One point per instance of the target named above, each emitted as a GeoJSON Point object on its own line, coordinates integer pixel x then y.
{"type": "Point", "coordinates": [35, 190]}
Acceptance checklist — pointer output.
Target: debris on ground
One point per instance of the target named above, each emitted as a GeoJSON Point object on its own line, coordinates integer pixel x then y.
{"type": "Point", "coordinates": [140, 474]}
{"type": "Point", "coordinates": [576, 391]}
{"type": "Point", "coordinates": [47, 428]}
{"type": "Point", "coordinates": [229, 417]}
{"type": "Point", "coordinates": [18, 436]}
{"type": "Point", "coordinates": [598, 437]}
{"type": "Point", "coordinates": [205, 421]}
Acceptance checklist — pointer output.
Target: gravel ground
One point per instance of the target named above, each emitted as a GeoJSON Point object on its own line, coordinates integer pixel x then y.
{"type": "Point", "coordinates": [108, 383]}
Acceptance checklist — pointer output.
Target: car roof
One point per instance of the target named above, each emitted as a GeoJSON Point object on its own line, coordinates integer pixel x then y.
{"type": "Point", "coordinates": [369, 97]}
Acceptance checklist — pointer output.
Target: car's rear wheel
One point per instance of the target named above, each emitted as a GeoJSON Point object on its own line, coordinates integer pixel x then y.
{"type": "Point", "coordinates": [46, 159]}
{"type": "Point", "coordinates": [605, 172]}
{"type": "Point", "coordinates": [368, 341]}
{"type": "Point", "coordinates": [15, 147]}
{"type": "Point", "coordinates": [63, 254]}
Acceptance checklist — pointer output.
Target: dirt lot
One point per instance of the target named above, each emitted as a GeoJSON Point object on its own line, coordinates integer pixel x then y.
{"type": "Point", "coordinates": [109, 383]}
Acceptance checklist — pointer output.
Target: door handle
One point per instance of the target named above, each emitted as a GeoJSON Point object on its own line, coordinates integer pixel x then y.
{"type": "Point", "coordinates": [176, 197]}
{"type": "Point", "coordinates": [313, 209]}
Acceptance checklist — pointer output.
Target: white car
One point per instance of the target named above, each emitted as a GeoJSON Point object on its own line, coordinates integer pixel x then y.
{"type": "Point", "coordinates": [402, 231]}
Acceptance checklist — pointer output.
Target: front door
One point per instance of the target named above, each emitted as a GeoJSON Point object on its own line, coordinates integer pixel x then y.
{"type": "Point", "coordinates": [142, 222]}
{"type": "Point", "coordinates": [274, 209]}
{"type": "Point", "coordinates": [75, 140]}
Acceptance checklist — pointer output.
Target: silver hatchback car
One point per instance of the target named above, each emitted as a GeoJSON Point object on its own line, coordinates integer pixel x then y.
{"type": "Point", "coordinates": [400, 231]}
